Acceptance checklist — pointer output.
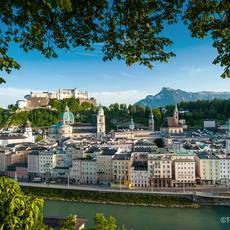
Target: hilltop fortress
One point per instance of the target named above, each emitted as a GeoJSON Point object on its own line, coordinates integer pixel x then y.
{"type": "Point", "coordinates": [38, 100]}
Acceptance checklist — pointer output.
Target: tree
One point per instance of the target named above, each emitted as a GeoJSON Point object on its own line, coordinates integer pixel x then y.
{"type": "Point", "coordinates": [39, 138]}
{"type": "Point", "coordinates": [101, 223]}
{"type": "Point", "coordinates": [88, 157]}
{"type": "Point", "coordinates": [123, 106]}
{"type": "Point", "coordinates": [18, 211]}
{"type": "Point", "coordinates": [211, 18]}
{"type": "Point", "coordinates": [68, 223]}
{"type": "Point", "coordinates": [129, 30]}
{"type": "Point", "coordinates": [116, 107]}
{"type": "Point", "coordinates": [131, 109]}
{"type": "Point", "coordinates": [158, 142]}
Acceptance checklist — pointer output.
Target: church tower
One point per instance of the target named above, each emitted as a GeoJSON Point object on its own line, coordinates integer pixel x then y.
{"type": "Point", "coordinates": [151, 121]}
{"type": "Point", "coordinates": [131, 124]}
{"type": "Point", "coordinates": [100, 122]}
{"type": "Point", "coordinates": [28, 132]}
{"type": "Point", "coordinates": [176, 114]}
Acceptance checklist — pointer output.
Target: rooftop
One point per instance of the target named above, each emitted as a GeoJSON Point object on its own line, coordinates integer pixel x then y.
{"type": "Point", "coordinates": [53, 221]}
{"type": "Point", "coordinates": [170, 122]}
{"type": "Point", "coordinates": [206, 155]}
{"type": "Point", "coordinates": [122, 156]}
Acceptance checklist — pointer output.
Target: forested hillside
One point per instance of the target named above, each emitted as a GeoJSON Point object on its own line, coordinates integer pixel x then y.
{"type": "Point", "coordinates": [119, 115]}
{"type": "Point", "coordinates": [200, 110]}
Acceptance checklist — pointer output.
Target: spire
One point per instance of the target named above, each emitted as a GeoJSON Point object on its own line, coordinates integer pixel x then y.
{"type": "Point", "coordinates": [66, 108]}
{"type": "Point", "coordinates": [176, 106]}
{"type": "Point", "coordinates": [28, 125]}
{"type": "Point", "coordinates": [151, 115]}
{"type": "Point", "coordinates": [131, 124]}
{"type": "Point", "coordinates": [100, 109]}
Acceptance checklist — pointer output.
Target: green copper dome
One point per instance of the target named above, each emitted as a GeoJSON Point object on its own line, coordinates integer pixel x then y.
{"type": "Point", "coordinates": [151, 115]}
{"type": "Point", "coordinates": [100, 109]}
{"type": "Point", "coordinates": [131, 122]}
{"type": "Point", "coordinates": [67, 114]}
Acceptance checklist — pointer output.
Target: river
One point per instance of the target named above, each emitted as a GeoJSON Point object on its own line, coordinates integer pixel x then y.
{"type": "Point", "coordinates": [138, 218]}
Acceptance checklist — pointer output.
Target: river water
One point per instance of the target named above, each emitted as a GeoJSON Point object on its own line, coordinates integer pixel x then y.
{"type": "Point", "coordinates": [138, 218]}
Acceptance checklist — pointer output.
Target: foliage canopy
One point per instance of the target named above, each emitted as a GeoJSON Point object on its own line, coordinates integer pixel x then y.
{"type": "Point", "coordinates": [128, 30]}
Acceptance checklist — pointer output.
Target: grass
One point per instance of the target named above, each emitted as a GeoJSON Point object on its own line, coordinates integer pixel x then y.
{"type": "Point", "coordinates": [108, 197]}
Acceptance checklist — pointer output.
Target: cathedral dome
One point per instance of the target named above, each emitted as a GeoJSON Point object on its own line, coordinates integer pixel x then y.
{"type": "Point", "coordinates": [67, 116]}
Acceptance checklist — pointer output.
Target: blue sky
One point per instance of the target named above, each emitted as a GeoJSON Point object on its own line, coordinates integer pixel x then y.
{"type": "Point", "coordinates": [111, 81]}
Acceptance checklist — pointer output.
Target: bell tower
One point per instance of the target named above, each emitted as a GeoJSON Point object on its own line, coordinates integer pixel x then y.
{"type": "Point", "coordinates": [100, 122]}
{"type": "Point", "coordinates": [176, 114]}
{"type": "Point", "coordinates": [151, 121]}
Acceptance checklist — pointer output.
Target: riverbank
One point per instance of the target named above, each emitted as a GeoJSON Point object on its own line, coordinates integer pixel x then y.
{"type": "Point", "coordinates": [114, 198]}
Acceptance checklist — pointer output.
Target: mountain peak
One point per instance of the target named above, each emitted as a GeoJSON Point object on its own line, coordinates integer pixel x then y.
{"type": "Point", "coordinates": [167, 96]}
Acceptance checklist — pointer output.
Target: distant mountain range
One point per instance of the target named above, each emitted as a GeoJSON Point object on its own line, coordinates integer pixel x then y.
{"type": "Point", "coordinates": [168, 96]}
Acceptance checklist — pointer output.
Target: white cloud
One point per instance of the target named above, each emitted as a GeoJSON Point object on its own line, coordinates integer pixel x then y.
{"type": "Point", "coordinates": [192, 71]}
{"type": "Point", "coordinates": [126, 75]}
{"type": "Point", "coordinates": [127, 97]}
{"type": "Point", "coordinates": [107, 76]}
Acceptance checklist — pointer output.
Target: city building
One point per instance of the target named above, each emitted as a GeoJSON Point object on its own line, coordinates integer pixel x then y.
{"type": "Point", "coordinates": [104, 166]}
{"type": "Point", "coordinates": [225, 171]}
{"type": "Point", "coordinates": [68, 129]}
{"type": "Point", "coordinates": [208, 167]}
{"type": "Point", "coordinates": [75, 170]}
{"type": "Point", "coordinates": [122, 163]}
{"type": "Point", "coordinates": [139, 175]}
{"type": "Point", "coordinates": [47, 161]}
{"type": "Point", "coordinates": [17, 138]}
{"type": "Point", "coordinates": [88, 171]}
{"type": "Point", "coordinates": [159, 171]}
{"type": "Point", "coordinates": [171, 124]}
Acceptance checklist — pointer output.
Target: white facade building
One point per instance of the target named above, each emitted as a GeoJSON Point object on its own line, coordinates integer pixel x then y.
{"type": "Point", "coordinates": [89, 171]}
{"type": "Point", "coordinates": [209, 124]}
{"type": "Point", "coordinates": [225, 169]}
{"type": "Point", "coordinates": [47, 161]}
{"type": "Point", "coordinates": [139, 176]}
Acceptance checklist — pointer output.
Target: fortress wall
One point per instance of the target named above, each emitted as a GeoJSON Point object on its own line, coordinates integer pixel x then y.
{"type": "Point", "coordinates": [37, 101]}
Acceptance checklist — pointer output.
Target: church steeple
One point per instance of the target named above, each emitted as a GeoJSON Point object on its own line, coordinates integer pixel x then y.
{"type": "Point", "coordinates": [100, 122]}
{"type": "Point", "coordinates": [131, 124]}
{"type": "Point", "coordinates": [66, 108]}
{"type": "Point", "coordinates": [151, 121]}
{"type": "Point", "coordinates": [28, 129]}
{"type": "Point", "coordinates": [151, 115]}
{"type": "Point", "coordinates": [176, 114]}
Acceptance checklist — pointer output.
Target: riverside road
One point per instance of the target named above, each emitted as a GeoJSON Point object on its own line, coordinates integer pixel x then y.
{"type": "Point", "coordinates": [206, 189]}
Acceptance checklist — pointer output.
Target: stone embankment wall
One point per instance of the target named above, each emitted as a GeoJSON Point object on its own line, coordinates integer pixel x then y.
{"type": "Point", "coordinates": [207, 199]}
